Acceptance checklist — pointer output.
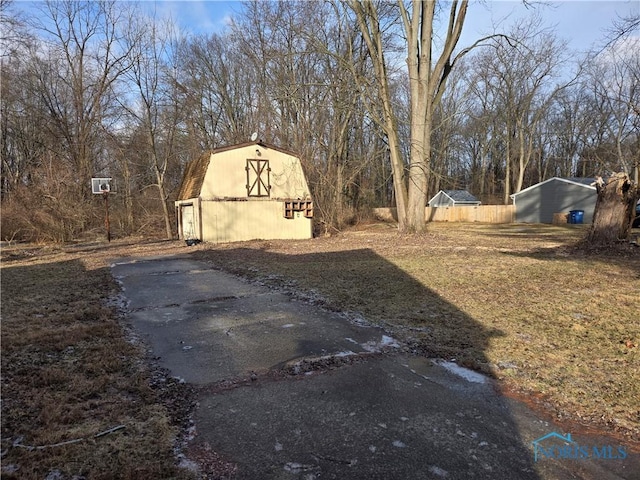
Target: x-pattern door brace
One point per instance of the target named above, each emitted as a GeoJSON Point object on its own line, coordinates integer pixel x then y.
{"type": "Point", "coordinates": [258, 181]}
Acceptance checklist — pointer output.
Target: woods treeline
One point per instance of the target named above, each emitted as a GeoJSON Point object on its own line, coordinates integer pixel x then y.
{"type": "Point", "coordinates": [103, 89]}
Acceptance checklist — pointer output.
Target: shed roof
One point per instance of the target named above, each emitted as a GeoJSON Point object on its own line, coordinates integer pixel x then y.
{"type": "Point", "coordinates": [194, 177]}
{"type": "Point", "coordinates": [461, 196]}
{"type": "Point", "coordinates": [457, 196]}
{"type": "Point", "coordinates": [196, 170]}
{"type": "Point", "coordinates": [585, 182]}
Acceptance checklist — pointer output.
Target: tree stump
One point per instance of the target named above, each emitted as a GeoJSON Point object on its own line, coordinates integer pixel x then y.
{"type": "Point", "coordinates": [615, 209]}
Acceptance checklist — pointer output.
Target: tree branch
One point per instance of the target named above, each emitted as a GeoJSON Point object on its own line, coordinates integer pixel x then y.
{"type": "Point", "coordinates": [68, 442]}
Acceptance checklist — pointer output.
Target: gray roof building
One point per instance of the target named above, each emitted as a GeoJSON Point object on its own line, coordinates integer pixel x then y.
{"type": "Point", "coordinates": [539, 202]}
{"type": "Point", "coordinates": [453, 198]}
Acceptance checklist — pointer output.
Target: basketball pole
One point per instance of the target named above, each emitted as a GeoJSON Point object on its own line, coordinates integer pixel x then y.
{"type": "Point", "coordinates": [107, 225]}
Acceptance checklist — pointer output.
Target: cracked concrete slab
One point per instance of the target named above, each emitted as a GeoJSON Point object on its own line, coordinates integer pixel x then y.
{"type": "Point", "coordinates": [337, 408]}
{"type": "Point", "coordinates": [206, 325]}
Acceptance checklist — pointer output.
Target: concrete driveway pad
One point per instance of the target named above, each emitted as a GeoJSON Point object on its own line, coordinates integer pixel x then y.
{"type": "Point", "coordinates": [207, 325]}
{"type": "Point", "coordinates": [347, 402]}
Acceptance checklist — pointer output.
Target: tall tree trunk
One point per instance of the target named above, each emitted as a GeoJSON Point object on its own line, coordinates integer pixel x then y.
{"type": "Point", "coordinates": [615, 210]}
{"type": "Point", "coordinates": [507, 170]}
{"type": "Point", "coordinates": [162, 194]}
{"type": "Point", "coordinates": [369, 25]}
{"type": "Point", "coordinates": [428, 75]}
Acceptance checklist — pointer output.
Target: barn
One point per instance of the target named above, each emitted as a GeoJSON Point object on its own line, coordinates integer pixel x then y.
{"type": "Point", "coordinates": [453, 198]}
{"type": "Point", "coordinates": [244, 192]}
{"type": "Point", "coordinates": [539, 202]}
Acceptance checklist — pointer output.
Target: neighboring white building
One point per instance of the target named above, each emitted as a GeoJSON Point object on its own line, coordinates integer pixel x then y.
{"type": "Point", "coordinates": [453, 198]}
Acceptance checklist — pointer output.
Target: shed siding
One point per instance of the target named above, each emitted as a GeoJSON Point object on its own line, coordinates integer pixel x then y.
{"type": "Point", "coordinates": [221, 209]}
{"type": "Point", "coordinates": [234, 221]}
{"type": "Point", "coordinates": [441, 200]}
{"type": "Point", "coordinates": [538, 204]}
{"type": "Point", "coordinates": [226, 176]}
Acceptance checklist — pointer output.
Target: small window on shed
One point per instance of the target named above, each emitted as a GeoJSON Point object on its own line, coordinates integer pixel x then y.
{"type": "Point", "coordinates": [258, 178]}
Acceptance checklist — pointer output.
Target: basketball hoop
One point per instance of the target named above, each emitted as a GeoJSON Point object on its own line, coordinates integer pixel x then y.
{"type": "Point", "coordinates": [102, 186]}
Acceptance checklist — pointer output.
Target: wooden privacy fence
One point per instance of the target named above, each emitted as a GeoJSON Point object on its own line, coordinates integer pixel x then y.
{"type": "Point", "coordinates": [481, 213]}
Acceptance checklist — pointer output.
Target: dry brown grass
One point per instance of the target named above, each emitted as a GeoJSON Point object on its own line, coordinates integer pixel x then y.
{"type": "Point", "coordinates": [69, 373]}
{"type": "Point", "coordinates": [517, 302]}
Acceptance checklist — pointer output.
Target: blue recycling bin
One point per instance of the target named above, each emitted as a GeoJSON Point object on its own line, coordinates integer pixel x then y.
{"type": "Point", "coordinates": [576, 216]}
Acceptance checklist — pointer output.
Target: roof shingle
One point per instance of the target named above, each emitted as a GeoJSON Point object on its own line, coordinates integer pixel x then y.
{"type": "Point", "coordinates": [460, 196]}
{"type": "Point", "coordinates": [194, 177]}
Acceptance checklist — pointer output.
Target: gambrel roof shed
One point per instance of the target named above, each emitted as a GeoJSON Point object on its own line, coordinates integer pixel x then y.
{"type": "Point", "coordinates": [539, 202]}
{"type": "Point", "coordinates": [452, 198]}
{"type": "Point", "coordinates": [244, 192]}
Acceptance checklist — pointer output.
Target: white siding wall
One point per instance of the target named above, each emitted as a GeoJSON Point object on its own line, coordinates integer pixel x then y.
{"type": "Point", "coordinates": [227, 177]}
{"type": "Point", "coordinates": [233, 221]}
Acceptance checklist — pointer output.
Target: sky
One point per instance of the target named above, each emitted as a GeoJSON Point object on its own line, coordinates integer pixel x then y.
{"type": "Point", "coordinates": [582, 23]}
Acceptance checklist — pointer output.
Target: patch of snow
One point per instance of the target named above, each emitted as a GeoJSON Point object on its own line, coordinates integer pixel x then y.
{"type": "Point", "coordinates": [389, 342]}
{"type": "Point", "coordinates": [278, 447]}
{"type": "Point", "coordinates": [346, 353]}
{"type": "Point", "coordinates": [398, 444]}
{"type": "Point", "coordinates": [465, 373]}
{"type": "Point", "coordinates": [54, 475]}
{"type": "Point", "coordinates": [295, 467]}
{"type": "Point", "coordinates": [187, 347]}
{"type": "Point", "coordinates": [356, 319]}
{"type": "Point", "coordinates": [370, 346]}
{"type": "Point", "coordinates": [351, 340]}
{"type": "Point", "coordinates": [189, 465]}
{"type": "Point", "coordinates": [372, 448]}
{"type": "Point", "coordinates": [438, 471]}
{"type": "Point", "coordinates": [386, 341]}
{"type": "Point", "coordinates": [288, 325]}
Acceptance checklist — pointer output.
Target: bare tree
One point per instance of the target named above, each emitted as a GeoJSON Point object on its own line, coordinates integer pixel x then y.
{"type": "Point", "coordinates": [614, 82]}
{"type": "Point", "coordinates": [14, 36]}
{"type": "Point", "coordinates": [428, 72]}
{"type": "Point", "coordinates": [524, 73]}
{"type": "Point", "coordinates": [158, 108]}
{"type": "Point", "coordinates": [85, 59]}
{"type": "Point", "coordinates": [59, 108]}
{"type": "Point", "coordinates": [615, 210]}
{"type": "Point", "coordinates": [218, 88]}
{"type": "Point", "coordinates": [619, 95]}
{"type": "Point", "coordinates": [303, 57]}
